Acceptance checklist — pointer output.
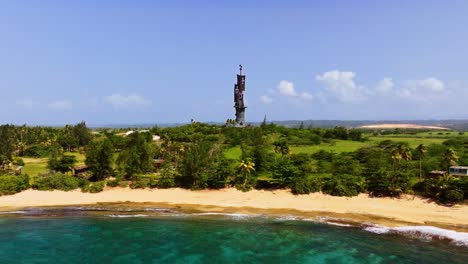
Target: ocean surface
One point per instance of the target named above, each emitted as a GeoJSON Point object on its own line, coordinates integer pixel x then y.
{"type": "Point", "coordinates": [158, 235]}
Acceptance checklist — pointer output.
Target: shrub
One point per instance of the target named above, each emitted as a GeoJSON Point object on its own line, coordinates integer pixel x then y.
{"type": "Point", "coordinates": [153, 183]}
{"type": "Point", "coordinates": [97, 187]}
{"type": "Point", "coordinates": [113, 183]}
{"type": "Point", "coordinates": [166, 182]}
{"type": "Point", "coordinates": [388, 183]}
{"type": "Point", "coordinates": [139, 184]}
{"type": "Point", "coordinates": [13, 184]}
{"type": "Point", "coordinates": [244, 188]}
{"type": "Point", "coordinates": [85, 188]}
{"type": "Point", "coordinates": [57, 182]}
{"type": "Point", "coordinates": [285, 171]}
{"type": "Point", "coordinates": [37, 151]}
{"type": "Point", "coordinates": [267, 183]}
{"type": "Point", "coordinates": [18, 162]}
{"type": "Point", "coordinates": [452, 196]}
{"type": "Point", "coordinates": [83, 183]}
{"type": "Point", "coordinates": [443, 190]}
{"type": "Point", "coordinates": [344, 185]}
{"type": "Point", "coordinates": [123, 184]}
{"type": "Point", "coordinates": [306, 185]}
{"type": "Point", "coordinates": [224, 169]}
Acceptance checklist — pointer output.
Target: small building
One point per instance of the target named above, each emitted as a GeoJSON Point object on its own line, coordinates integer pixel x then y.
{"type": "Point", "coordinates": [158, 163]}
{"type": "Point", "coordinates": [128, 133]}
{"type": "Point", "coordinates": [437, 174]}
{"type": "Point", "coordinates": [458, 171]}
{"type": "Point", "coordinates": [18, 170]}
{"type": "Point", "coordinates": [80, 169]}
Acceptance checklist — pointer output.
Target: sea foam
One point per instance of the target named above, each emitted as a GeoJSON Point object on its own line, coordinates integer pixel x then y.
{"type": "Point", "coordinates": [423, 232]}
{"type": "Point", "coordinates": [127, 215]}
{"type": "Point", "coordinates": [231, 215]}
{"type": "Point", "coordinates": [13, 212]}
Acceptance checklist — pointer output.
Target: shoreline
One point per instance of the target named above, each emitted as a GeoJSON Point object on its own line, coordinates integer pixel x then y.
{"type": "Point", "coordinates": [391, 212]}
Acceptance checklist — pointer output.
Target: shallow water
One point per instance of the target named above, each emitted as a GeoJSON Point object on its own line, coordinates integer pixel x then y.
{"type": "Point", "coordinates": [77, 236]}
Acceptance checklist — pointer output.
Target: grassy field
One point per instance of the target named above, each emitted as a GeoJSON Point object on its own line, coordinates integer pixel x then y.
{"type": "Point", "coordinates": [34, 166]}
{"type": "Point", "coordinates": [339, 146]}
{"type": "Point", "coordinates": [413, 141]}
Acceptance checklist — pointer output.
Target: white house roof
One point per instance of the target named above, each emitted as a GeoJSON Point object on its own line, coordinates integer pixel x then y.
{"type": "Point", "coordinates": [459, 167]}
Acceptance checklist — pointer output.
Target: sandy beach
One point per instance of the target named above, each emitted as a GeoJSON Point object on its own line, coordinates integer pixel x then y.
{"type": "Point", "coordinates": [402, 126]}
{"type": "Point", "coordinates": [391, 212]}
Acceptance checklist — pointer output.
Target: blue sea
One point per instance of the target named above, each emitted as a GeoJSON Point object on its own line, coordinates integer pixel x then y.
{"type": "Point", "coordinates": [159, 235]}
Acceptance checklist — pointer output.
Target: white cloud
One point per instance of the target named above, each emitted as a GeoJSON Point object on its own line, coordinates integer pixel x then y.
{"type": "Point", "coordinates": [307, 96]}
{"type": "Point", "coordinates": [286, 88]}
{"type": "Point", "coordinates": [132, 100]}
{"type": "Point", "coordinates": [386, 85]}
{"type": "Point", "coordinates": [266, 99]}
{"type": "Point", "coordinates": [421, 88]}
{"type": "Point", "coordinates": [60, 105]}
{"type": "Point", "coordinates": [342, 85]}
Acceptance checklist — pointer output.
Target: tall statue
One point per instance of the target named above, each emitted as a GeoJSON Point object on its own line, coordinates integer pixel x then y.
{"type": "Point", "coordinates": [239, 89]}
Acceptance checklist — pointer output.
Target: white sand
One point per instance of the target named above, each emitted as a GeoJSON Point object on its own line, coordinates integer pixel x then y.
{"type": "Point", "coordinates": [407, 209]}
{"type": "Point", "coordinates": [402, 126]}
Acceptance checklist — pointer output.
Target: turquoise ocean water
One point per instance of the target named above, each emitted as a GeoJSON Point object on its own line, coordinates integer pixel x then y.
{"type": "Point", "coordinates": [80, 236]}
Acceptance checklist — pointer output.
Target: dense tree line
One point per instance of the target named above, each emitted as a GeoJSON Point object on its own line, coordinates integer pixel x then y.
{"type": "Point", "coordinates": [193, 156]}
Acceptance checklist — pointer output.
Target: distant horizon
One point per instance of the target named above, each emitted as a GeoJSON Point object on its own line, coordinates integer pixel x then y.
{"type": "Point", "coordinates": [280, 122]}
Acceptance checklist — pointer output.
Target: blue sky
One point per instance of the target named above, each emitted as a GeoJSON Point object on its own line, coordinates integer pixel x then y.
{"type": "Point", "coordinates": [110, 62]}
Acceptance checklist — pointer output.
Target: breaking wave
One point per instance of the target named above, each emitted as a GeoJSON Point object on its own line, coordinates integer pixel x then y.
{"type": "Point", "coordinates": [126, 215]}
{"type": "Point", "coordinates": [422, 232]}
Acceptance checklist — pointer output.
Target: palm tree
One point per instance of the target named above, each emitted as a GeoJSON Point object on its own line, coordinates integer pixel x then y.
{"type": "Point", "coordinates": [401, 152]}
{"type": "Point", "coordinates": [281, 147]}
{"type": "Point", "coordinates": [245, 168]}
{"type": "Point", "coordinates": [421, 150]}
{"type": "Point", "coordinates": [396, 157]}
{"type": "Point", "coordinates": [450, 158]}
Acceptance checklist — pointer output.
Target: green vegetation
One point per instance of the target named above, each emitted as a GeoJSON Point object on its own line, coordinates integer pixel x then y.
{"type": "Point", "coordinates": [412, 141]}
{"type": "Point", "coordinates": [97, 187]}
{"type": "Point", "coordinates": [336, 161]}
{"type": "Point", "coordinates": [57, 181]}
{"type": "Point", "coordinates": [337, 146]}
{"type": "Point", "coordinates": [100, 157]}
{"type": "Point", "coordinates": [60, 162]}
{"type": "Point", "coordinates": [13, 184]}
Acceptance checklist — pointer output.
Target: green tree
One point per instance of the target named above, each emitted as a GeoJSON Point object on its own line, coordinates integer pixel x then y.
{"type": "Point", "coordinates": [450, 158]}
{"type": "Point", "coordinates": [399, 153]}
{"type": "Point", "coordinates": [67, 139]}
{"type": "Point", "coordinates": [421, 151]}
{"type": "Point", "coordinates": [285, 171]}
{"type": "Point", "coordinates": [82, 134]}
{"type": "Point", "coordinates": [224, 170]}
{"type": "Point", "coordinates": [72, 136]}
{"type": "Point", "coordinates": [7, 144]}
{"type": "Point", "coordinates": [259, 153]}
{"type": "Point", "coordinates": [60, 162]}
{"type": "Point", "coordinates": [198, 164]}
{"type": "Point", "coordinates": [99, 157]}
{"type": "Point", "coordinates": [137, 155]}
{"type": "Point", "coordinates": [245, 169]}
{"type": "Point", "coordinates": [281, 147]}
